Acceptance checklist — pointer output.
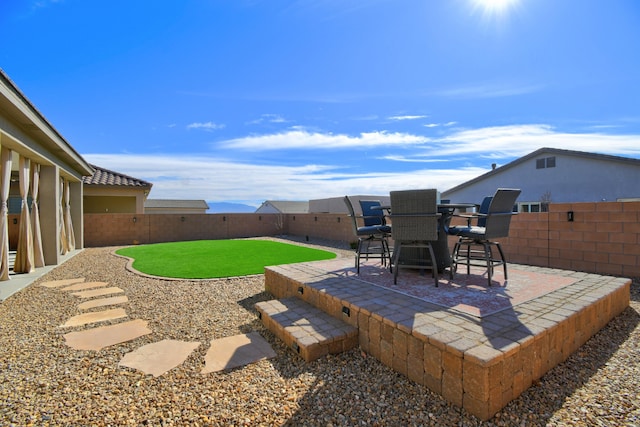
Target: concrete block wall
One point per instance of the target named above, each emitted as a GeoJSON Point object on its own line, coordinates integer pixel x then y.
{"type": "Point", "coordinates": [603, 237]}
{"type": "Point", "coordinates": [130, 229]}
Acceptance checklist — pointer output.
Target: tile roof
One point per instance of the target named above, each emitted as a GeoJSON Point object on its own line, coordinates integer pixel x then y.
{"type": "Point", "coordinates": [102, 176]}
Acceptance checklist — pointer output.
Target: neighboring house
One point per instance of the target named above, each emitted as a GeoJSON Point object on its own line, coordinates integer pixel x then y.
{"type": "Point", "coordinates": [283, 207]}
{"type": "Point", "coordinates": [175, 206]}
{"type": "Point", "coordinates": [36, 162]}
{"type": "Point", "coordinates": [336, 204]}
{"type": "Point", "coordinates": [107, 191]}
{"type": "Point", "coordinates": [551, 175]}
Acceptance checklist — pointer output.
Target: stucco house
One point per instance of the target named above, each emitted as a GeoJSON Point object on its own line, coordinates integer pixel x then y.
{"type": "Point", "coordinates": [283, 207]}
{"type": "Point", "coordinates": [40, 168]}
{"type": "Point", "coordinates": [554, 175]}
{"type": "Point", "coordinates": [336, 204]}
{"type": "Point", "coordinates": [106, 191]}
{"type": "Point", "coordinates": [175, 206]}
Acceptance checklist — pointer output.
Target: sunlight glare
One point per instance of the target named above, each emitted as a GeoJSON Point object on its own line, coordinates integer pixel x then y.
{"type": "Point", "coordinates": [494, 7]}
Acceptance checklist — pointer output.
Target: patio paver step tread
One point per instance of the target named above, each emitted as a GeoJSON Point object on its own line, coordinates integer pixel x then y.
{"type": "Point", "coordinates": [311, 332]}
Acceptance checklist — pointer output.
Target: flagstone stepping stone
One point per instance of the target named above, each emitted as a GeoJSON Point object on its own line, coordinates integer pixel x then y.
{"type": "Point", "coordinates": [101, 302]}
{"type": "Point", "coordinates": [160, 357]}
{"type": "Point", "coordinates": [84, 286]}
{"type": "Point", "coordinates": [60, 283]}
{"type": "Point", "coordinates": [239, 350]}
{"type": "Point", "coordinates": [105, 336]}
{"type": "Point", "coordinates": [98, 292]}
{"type": "Point", "coordinates": [94, 317]}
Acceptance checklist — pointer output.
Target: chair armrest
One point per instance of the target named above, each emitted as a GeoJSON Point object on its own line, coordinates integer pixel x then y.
{"type": "Point", "coordinates": [471, 216]}
{"type": "Point", "coordinates": [416, 215]}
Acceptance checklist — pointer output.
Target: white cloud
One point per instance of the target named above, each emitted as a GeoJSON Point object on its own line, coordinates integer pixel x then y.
{"type": "Point", "coordinates": [517, 140]}
{"type": "Point", "coordinates": [407, 117]}
{"type": "Point", "coordinates": [215, 179]}
{"type": "Point", "coordinates": [316, 141]}
{"type": "Point", "coordinates": [268, 118]}
{"type": "Point", "coordinates": [489, 90]}
{"type": "Point", "coordinates": [225, 179]}
{"type": "Point", "coordinates": [208, 126]}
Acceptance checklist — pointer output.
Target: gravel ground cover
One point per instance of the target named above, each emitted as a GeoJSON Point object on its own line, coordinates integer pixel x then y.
{"type": "Point", "coordinates": [44, 382]}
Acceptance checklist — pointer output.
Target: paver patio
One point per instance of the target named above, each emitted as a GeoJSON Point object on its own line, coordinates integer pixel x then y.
{"type": "Point", "coordinates": [479, 363]}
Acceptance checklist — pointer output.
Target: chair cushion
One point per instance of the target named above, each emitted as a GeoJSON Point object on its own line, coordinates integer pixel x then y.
{"type": "Point", "coordinates": [373, 229]}
{"type": "Point", "coordinates": [472, 232]}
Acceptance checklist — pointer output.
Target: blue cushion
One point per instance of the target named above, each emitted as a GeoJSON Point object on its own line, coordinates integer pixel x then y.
{"type": "Point", "coordinates": [472, 232]}
{"type": "Point", "coordinates": [373, 229]}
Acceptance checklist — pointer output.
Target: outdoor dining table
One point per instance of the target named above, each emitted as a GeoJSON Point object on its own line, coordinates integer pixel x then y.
{"type": "Point", "coordinates": [440, 246]}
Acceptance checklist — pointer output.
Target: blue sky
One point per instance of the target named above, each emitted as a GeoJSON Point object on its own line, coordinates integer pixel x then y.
{"type": "Point", "coordinates": [250, 100]}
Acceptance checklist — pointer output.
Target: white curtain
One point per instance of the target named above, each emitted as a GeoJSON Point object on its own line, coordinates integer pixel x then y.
{"type": "Point", "coordinates": [64, 243]}
{"type": "Point", "coordinates": [71, 236]}
{"type": "Point", "coordinates": [38, 256]}
{"type": "Point", "coordinates": [5, 182]}
{"type": "Point", "coordinates": [24, 253]}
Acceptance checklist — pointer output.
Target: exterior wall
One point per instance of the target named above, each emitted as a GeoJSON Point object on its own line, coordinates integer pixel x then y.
{"type": "Point", "coordinates": [604, 237]}
{"type": "Point", "coordinates": [573, 179]}
{"type": "Point", "coordinates": [109, 204]}
{"type": "Point", "coordinates": [99, 199]}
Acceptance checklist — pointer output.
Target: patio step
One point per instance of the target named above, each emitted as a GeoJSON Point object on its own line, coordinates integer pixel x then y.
{"type": "Point", "coordinates": [310, 332]}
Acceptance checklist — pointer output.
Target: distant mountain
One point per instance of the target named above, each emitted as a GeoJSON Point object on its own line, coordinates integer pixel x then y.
{"type": "Point", "coordinates": [225, 207]}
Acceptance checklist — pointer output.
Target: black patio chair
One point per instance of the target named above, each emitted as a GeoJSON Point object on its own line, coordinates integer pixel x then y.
{"type": "Point", "coordinates": [414, 216]}
{"type": "Point", "coordinates": [479, 240]}
{"type": "Point", "coordinates": [372, 235]}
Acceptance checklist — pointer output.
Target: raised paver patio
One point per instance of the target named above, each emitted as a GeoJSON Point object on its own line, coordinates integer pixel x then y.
{"type": "Point", "coordinates": [477, 363]}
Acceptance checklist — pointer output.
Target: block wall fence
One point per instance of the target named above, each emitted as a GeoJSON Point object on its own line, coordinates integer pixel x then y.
{"type": "Point", "coordinates": [602, 238]}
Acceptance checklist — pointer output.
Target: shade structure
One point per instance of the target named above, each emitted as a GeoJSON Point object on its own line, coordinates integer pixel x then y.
{"type": "Point", "coordinates": [38, 255]}
{"type": "Point", "coordinates": [24, 252]}
{"type": "Point", "coordinates": [5, 182]}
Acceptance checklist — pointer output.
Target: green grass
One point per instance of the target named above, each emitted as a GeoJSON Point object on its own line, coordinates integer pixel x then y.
{"type": "Point", "coordinates": [206, 259]}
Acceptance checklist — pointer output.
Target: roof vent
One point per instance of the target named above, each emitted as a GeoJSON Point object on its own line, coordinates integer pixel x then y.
{"type": "Point", "coordinates": [493, 166]}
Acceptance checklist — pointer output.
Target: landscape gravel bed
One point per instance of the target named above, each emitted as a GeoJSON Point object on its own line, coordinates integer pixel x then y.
{"type": "Point", "coordinates": [45, 382]}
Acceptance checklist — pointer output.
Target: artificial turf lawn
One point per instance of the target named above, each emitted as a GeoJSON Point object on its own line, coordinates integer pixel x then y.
{"type": "Point", "coordinates": [206, 259]}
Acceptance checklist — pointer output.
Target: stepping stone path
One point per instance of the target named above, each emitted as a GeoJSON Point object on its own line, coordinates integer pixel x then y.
{"type": "Point", "coordinates": [239, 350]}
{"type": "Point", "coordinates": [156, 358]}
{"type": "Point", "coordinates": [159, 357]}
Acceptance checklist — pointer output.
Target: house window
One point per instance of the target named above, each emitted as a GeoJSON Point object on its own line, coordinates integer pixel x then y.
{"type": "Point", "coordinates": [551, 162]}
{"type": "Point", "coordinates": [533, 207]}
{"type": "Point", "coordinates": [547, 162]}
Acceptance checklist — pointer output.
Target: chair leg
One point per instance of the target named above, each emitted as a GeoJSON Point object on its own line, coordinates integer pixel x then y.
{"type": "Point", "coordinates": [387, 252]}
{"type": "Point", "coordinates": [396, 258]}
{"type": "Point", "coordinates": [360, 241]}
{"type": "Point", "coordinates": [504, 262]}
{"type": "Point", "coordinates": [434, 264]}
{"type": "Point", "coordinates": [454, 257]}
{"type": "Point", "coordinates": [487, 257]}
